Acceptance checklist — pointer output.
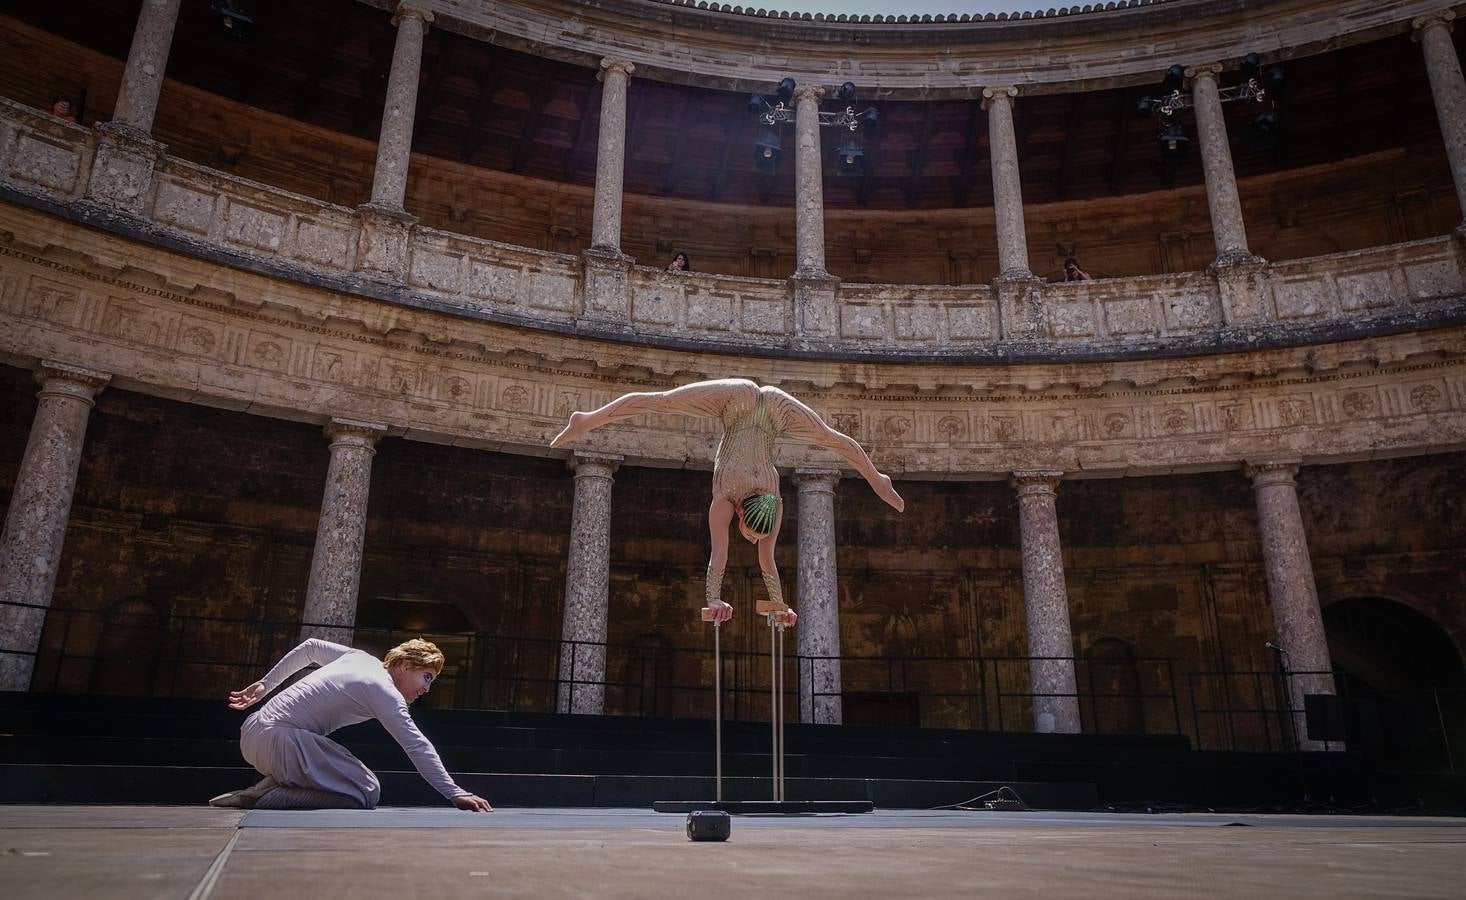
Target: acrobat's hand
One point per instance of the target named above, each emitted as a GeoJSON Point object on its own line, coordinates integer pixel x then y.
{"type": "Point", "coordinates": [787, 618]}
{"type": "Point", "coordinates": [888, 493]}
{"type": "Point", "coordinates": [574, 430]}
{"type": "Point", "coordinates": [248, 697]}
{"type": "Point", "coordinates": [472, 803]}
{"type": "Point", "coordinates": [717, 612]}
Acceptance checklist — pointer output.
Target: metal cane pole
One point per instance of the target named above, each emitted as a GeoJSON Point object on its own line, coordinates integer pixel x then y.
{"type": "Point", "coordinates": [780, 630]}
{"type": "Point", "coordinates": [707, 614]}
{"type": "Point", "coordinates": [774, 704]}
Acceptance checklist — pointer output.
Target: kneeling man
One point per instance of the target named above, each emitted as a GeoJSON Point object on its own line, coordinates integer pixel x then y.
{"type": "Point", "coordinates": [286, 738]}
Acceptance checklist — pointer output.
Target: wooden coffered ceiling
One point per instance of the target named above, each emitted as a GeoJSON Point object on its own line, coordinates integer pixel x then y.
{"type": "Point", "coordinates": [326, 63]}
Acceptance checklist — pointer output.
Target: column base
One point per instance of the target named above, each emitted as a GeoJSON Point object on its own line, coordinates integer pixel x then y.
{"type": "Point", "coordinates": [122, 169]}
{"type": "Point", "coordinates": [1020, 304]}
{"type": "Point", "coordinates": [607, 284]}
{"type": "Point", "coordinates": [382, 248]}
{"type": "Point", "coordinates": [814, 294]}
{"type": "Point", "coordinates": [1240, 287]}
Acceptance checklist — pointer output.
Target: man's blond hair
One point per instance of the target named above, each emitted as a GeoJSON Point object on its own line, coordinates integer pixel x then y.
{"type": "Point", "coordinates": [417, 652]}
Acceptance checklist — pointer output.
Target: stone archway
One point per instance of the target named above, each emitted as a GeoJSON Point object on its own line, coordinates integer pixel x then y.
{"type": "Point", "coordinates": [1402, 677]}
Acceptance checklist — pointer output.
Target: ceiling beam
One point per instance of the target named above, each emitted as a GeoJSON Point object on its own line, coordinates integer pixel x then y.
{"type": "Point", "coordinates": [679, 139]}
{"type": "Point", "coordinates": [919, 155]}
{"type": "Point", "coordinates": [325, 50]}
{"type": "Point", "coordinates": [372, 82]}
{"type": "Point", "coordinates": [542, 96]}
{"type": "Point", "coordinates": [473, 135]}
{"type": "Point", "coordinates": [1124, 112]}
{"type": "Point", "coordinates": [735, 136]}
{"type": "Point", "coordinates": [582, 130]}
{"type": "Point", "coordinates": [1066, 155]}
{"type": "Point", "coordinates": [966, 177]}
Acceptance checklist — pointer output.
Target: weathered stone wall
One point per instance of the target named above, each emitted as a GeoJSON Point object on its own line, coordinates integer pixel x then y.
{"type": "Point", "coordinates": [1367, 201]}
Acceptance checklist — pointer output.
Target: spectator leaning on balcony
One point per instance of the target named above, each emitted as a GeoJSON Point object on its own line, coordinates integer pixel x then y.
{"type": "Point", "coordinates": [286, 738]}
{"type": "Point", "coordinates": [679, 263]}
{"type": "Point", "coordinates": [1072, 272]}
{"type": "Point", "coordinates": [61, 108]}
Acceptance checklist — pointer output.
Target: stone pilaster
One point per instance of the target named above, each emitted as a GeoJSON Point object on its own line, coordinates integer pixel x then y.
{"type": "Point", "coordinates": [1433, 31]}
{"type": "Point", "coordinates": [615, 75]}
{"type": "Point", "coordinates": [122, 169]}
{"type": "Point", "coordinates": [819, 598]}
{"type": "Point", "coordinates": [147, 60]}
{"type": "Point", "coordinates": [40, 506]}
{"type": "Point", "coordinates": [1290, 588]}
{"type": "Point", "coordinates": [330, 595]}
{"type": "Point", "coordinates": [816, 302]}
{"type": "Point", "coordinates": [1007, 188]}
{"type": "Point", "coordinates": [1216, 164]}
{"type": "Point", "coordinates": [809, 193]}
{"type": "Point", "coordinates": [607, 285]}
{"type": "Point", "coordinates": [1046, 604]}
{"type": "Point", "coordinates": [383, 241]}
{"type": "Point", "coordinates": [587, 587]}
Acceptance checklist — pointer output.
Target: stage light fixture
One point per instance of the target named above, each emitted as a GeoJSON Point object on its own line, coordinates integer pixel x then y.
{"type": "Point", "coordinates": [850, 159]}
{"type": "Point", "coordinates": [1173, 141]}
{"type": "Point", "coordinates": [766, 153]}
{"type": "Point", "coordinates": [231, 20]}
{"type": "Point", "coordinates": [778, 110]}
{"type": "Point", "coordinates": [1256, 88]}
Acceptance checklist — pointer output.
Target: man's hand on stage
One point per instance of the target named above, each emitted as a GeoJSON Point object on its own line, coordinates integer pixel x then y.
{"type": "Point", "coordinates": [722, 612]}
{"type": "Point", "coordinates": [472, 803]}
{"type": "Point", "coordinates": [248, 697]}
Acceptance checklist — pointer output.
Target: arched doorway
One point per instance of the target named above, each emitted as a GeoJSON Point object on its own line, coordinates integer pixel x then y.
{"type": "Point", "coordinates": [1403, 680]}
{"type": "Point", "coordinates": [384, 621]}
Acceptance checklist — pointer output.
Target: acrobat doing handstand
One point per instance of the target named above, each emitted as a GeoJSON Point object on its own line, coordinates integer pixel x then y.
{"type": "Point", "coordinates": [745, 482]}
{"type": "Point", "coordinates": [286, 739]}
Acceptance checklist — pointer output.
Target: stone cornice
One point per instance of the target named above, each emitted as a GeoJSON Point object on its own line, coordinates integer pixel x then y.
{"type": "Point", "coordinates": [1129, 44]}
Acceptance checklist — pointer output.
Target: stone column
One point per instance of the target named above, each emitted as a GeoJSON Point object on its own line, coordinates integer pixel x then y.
{"type": "Point", "coordinates": [386, 226]}
{"type": "Point", "coordinates": [147, 60]}
{"type": "Point", "coordinates": [587, 587]}
{"type": "Point", "coordinates": [819, 598]}
{"type": "Point", "coordinates": [35, 527]}
{"type": "Point", "coordinates": [122, 168]}
{"type": "Point", "coordinates": [1007, 188]}
{"type": "Point", "coordinates": [605, 229]}
{"type": "Point", "coordinates": [809, 197]}
{"type": "Point", "coordinates": [1046, 604]}
{"type": "Point", "coordinates": [330, 595]}
{"type": "Point", "coordinates": [1433, 31]}
{"type": "Point", "coordinates": [394, 144]}
{"type": "Point", "coordinates": [1290, 588]}
{"type": "Point", "coordinates": [1216, 165]}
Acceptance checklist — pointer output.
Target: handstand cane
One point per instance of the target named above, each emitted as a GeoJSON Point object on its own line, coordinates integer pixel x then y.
{"type": "Point", "coordinates": [707, 616]}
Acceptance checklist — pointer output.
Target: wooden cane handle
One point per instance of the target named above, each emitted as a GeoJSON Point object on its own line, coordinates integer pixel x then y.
{"type": "Point", "coordinates": [764, 607]}
{"type": "Point", "coordinates": [707, 614]}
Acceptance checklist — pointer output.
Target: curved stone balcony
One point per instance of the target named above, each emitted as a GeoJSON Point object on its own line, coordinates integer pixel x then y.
{"type": "Point", "coordinates": [1382, 290]}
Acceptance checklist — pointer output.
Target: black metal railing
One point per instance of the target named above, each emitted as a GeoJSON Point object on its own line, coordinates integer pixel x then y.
{"type": "Point", "coordinates": [139, 651]}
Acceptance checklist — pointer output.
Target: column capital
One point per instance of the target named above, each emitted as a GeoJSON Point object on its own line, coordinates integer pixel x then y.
{"type": "Point", "coordinates": [612, 64]}
{"type": "Point", "coordinates": [998, 90]}
{"type": "Point", "coordinates": [1440, 17]}
{"type": "Point", "coordinates": [594, 465]}
{"type": "Point", "coordinates": [1209, 70]}
{"type": "Point", "coordinates": [351, 433]}
{"type": "Point", "coordinates": [1272, 471]}
{"type": "Point", "coordinates": [1036, 481]}
{"type": "Point", "coordinates": [66, 380]}
{"type": "Point", "coordinates": [808, 92]}
{"type": "Point", "coordinates": [409, 10]}
{"type": "Point", "coordinates": [816, 481]}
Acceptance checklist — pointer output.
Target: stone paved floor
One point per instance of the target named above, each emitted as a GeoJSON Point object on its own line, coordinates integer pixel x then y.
{"type": "Point", "coordinates": [198, 853]}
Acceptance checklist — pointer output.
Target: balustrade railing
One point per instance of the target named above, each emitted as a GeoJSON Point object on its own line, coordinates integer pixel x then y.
{"type": "Point", "coordinates": [133, 650]}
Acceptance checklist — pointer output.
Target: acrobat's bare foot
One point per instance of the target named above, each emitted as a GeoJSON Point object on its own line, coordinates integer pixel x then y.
{"type": "Point", "coordinates": [575, 430]}
{"type": "Point", "coordinates": [888, 494]}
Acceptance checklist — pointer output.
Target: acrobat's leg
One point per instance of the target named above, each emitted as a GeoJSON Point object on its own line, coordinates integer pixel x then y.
{"type": "Point", "coordinates": [803, 423]}
{"type": "Point", "coordinates": [705, 398]}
